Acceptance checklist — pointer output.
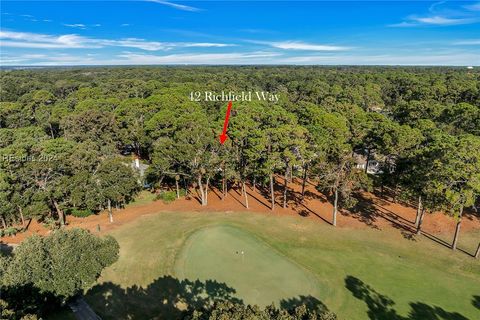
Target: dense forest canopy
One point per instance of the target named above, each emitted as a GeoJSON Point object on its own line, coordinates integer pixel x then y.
{"type": "Point", "coordinates": [68, 135]}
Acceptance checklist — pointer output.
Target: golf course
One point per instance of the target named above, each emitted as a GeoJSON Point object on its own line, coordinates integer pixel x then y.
{"type": "Point", "coordinates": [172, 260]}
{"type": "Point", "coordinates": [227, 254]}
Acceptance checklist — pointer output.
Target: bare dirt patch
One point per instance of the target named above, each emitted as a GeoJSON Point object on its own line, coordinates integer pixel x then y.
{"type": "Point", "coordinates": [372, 212]}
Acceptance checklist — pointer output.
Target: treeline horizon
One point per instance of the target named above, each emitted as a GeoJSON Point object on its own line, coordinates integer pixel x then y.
{"type": "Point", "coordinates": [192, 66]}
{"type": "Point", "coordinates": [67, 135]}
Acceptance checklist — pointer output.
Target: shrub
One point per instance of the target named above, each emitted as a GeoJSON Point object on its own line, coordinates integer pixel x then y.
{"type": "Point", "coordinates": [8, 313]}
{"type": "Point", "coordinates": [8, 232]}
{"type": "Point", "coordinates": [167, 196]}
{"type": "Point", "coordinates": [62, 264]}
{"type": "Point", "coordinates": [78, 213]}
{"type": "Point", "coordinates": [50, 223]}
{"type": "Point", "coordinates": [238, 311]}
{"type": "Point", "coordinates": [182, 192]}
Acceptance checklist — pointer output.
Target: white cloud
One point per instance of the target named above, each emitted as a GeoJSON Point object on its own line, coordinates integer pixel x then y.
{"type": "Point", "coordinates": [73, 41]}
{"type": "Point", "coordinates": [470, 42]}
{"type": "Point", "coordinates": [207, 44]}
{"type": "Point", "coordinates": [473, 7]}
{"type": "Point", "coordinates": [414, 21]}
{"type": "Point", "coordinates": [442, 21]}
{"type": "Point", "coordinates": [440, 59]}
{"type": "Point", "coordinates": [155, 45]}
{"type": "Point", "coordinates": [202, 58]}
{"type": "Point", "coordinates": [33, 56]}
{"type": "Point", "coordinates": [245, 58]}
{"type": "Point", "coordinates": [298, 45]}
{"type": "Point", "coordinates": [129, 58]}
{"type": "Point", "coordinates": [136, 43]}
{"type": "Point", "coordinates": [75, 25]}
{"type": "Point", "coordinates": [175, 5]}
{"type": "Point", "coordinates": [43, 41]}
{"type": "Point", "coordinates": [11, 61]}
{"type": "Point", "coordinates": [443, 13]}
{"type": "Point", "coordinates": [403, 24]}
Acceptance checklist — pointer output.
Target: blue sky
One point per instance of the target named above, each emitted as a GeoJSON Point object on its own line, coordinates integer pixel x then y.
{"type": "Point", "coordinates": [239, 32]}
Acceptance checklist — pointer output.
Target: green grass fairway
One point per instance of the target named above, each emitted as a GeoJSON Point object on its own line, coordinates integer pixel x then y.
{"type": "Point", "coordinates": [260, 275]}
{"type": "Point", "coordinates": [358, 274]}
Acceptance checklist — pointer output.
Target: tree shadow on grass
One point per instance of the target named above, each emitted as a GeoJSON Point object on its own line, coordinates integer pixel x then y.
{"type": "Point", "coordinates": [312, 304]}
{"type": "Point", "coordinates": [476, 301]}
{"type": "Point", "coordinates": [364, 211]}
{"type": "Point", "coordinates": [164, 298]}
{"type": "Point", "coordinates": [171, 298]}
{"type": "Point", "coordinates": [264, 191]}
{"type": "Point", "coordinates": [6, 248]}
{"type": "Point", "coordinates": [27, 299]}
{"type": "Point", "coordinates": [381, 307]}
{"type": "Point", "coordinates": [368, 210]}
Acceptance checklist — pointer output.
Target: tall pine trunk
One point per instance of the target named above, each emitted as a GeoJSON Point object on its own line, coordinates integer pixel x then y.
{"type": "Point", "coordinates": [224, 183]}
{"type": "Point", "coordinates": [457, 229]}
{"type": "Point", "coordinates": [419, 210]}
{"type": "Point", "coordinates": [185, 186]}
{"type": "Point", "coordinates": [160, 181]}
{"type": "Point", "coordinates": [304, 181]}
{"type": "Point", "coordinates": [110, 214]}
{"type": "Point", "coordinates": [137, 146]}
{"type": "Point", "coordinates": [420, 220]}
{"type": "Point", "coordinates": [202, 193]}
{"type": "Point", "coordinates": [206, 191]}
{"type": "Point", "coordinates": [60, 213]}
{"type": "Point", "coordinates": [178, 188]}
{"type": "Point", "coordinates": [51, 131]}
{"type": "Point", "coordinates": [272, 193]}
{"type": "Point", "coordinates": [335, 208]}
{"type": "Point", "coordinates": [223, 186]}
{"type": "Point", "coordinates": [367, 161]}
{"type": "Point", "coordinates": [20, 211]}
{"type": "Point", "coordinates": [285, 187]}
{"type": "Point", "coordinates": [244, 187]}
{"type": "Point", "coordinates": [4, 223]}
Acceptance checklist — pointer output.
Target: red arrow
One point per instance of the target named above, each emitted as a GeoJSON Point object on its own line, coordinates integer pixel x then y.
{"type": "Point", "coordinates": [224, 136]}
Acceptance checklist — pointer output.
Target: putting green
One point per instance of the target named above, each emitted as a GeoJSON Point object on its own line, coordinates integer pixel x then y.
{"type": "Point", "coordinates": [258, 273]}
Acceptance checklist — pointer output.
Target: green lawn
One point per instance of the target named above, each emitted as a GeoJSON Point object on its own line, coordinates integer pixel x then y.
{"type": "Point", "coordinates": [170, 260]}
{"type": "Point", "coordinates": [258, 273]}
{"type": "Point", "coordinates": [143, 197]}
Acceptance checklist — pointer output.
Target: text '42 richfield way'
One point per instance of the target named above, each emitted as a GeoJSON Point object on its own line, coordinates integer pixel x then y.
{"type": "Point", "coordinates": [233, 96]}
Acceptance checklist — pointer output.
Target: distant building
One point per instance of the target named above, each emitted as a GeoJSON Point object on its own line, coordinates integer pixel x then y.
{"type": "Point", "coordinates": [373, 166]}
{"type": "Point", "coordinates": [140, 168]}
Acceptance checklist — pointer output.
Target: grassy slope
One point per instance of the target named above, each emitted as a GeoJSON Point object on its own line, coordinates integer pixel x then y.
{"type": "Point", "coordinates": [143, 197]}
{"type": "Point", "coordinates": [259, 276]}
{"type": "Point", "coordinates": [405, 271]}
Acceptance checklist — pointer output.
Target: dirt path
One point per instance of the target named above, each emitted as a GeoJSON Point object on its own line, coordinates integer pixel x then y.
{"type": "Point", "coordinates": [371, 212]}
